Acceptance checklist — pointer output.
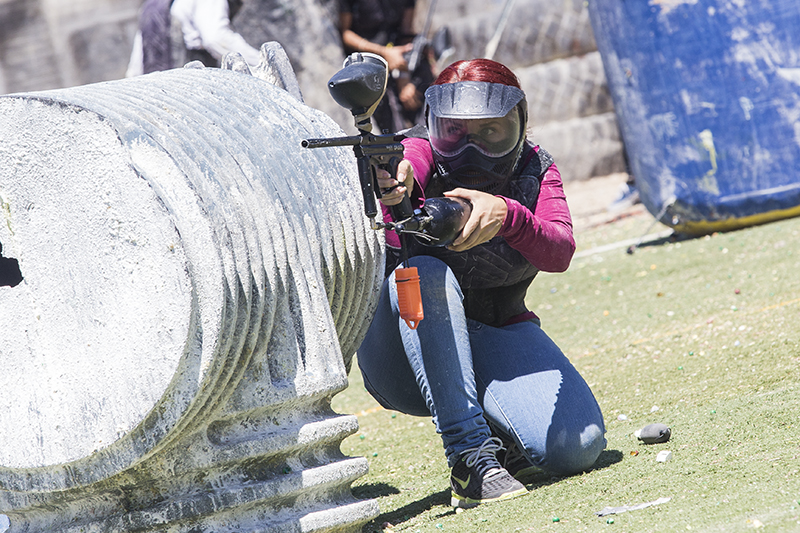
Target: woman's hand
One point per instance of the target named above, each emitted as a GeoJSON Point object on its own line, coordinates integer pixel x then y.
{"type": "Point", "coordinates": [404, 183]}
{"type": "Point", "coordinates": [409, 96]}
{"type": "Point", "coordinates": [487, 216]}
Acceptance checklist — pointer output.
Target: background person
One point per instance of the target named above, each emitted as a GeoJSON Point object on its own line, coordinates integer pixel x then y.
{"type": "Point", "coordinates": [385, 28]}
{"type": "Point", "coordinates": [206, 29]}
{"type": "Point", "coordinates": [207, 32]}
{"type": "Point", "coordinates": [503, 396]}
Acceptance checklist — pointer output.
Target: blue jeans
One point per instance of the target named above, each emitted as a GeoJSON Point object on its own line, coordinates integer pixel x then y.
{"type": "Point", "coordinates": [469, 376]}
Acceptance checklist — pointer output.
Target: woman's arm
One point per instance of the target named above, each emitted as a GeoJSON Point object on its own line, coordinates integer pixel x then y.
{"type": "Point", "coordinates": [414, 173]}
{"type": "Point", "coordinates": [353, 41]}
{"type": "Point", "coordinates": [545, 237]}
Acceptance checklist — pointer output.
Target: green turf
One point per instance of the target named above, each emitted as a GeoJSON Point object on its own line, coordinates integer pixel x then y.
{"type": "Point", "coordinates": [702, 335]}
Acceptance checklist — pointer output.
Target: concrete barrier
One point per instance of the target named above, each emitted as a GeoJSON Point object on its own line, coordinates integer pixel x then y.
{"type": "Point", "coordinates": [707, 99]}
{"type": "Point", "coordinates": [193, 287]}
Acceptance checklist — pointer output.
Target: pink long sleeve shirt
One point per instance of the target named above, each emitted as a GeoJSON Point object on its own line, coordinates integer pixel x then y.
{"type": "Point", "coordinates": [542, 235]}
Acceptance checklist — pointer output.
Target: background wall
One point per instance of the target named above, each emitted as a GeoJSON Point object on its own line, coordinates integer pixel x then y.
{"type": "Point", "coordinates": [48, 44]}
{"type": "Point", "coordinates": [550, 46]}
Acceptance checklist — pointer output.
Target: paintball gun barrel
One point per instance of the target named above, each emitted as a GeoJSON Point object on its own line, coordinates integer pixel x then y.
{"type": "Point", "coordinates": [359, 87]}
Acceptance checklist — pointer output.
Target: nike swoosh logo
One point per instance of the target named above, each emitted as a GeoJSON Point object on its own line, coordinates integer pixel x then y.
{"type": "Point", "coordinates": [463, 483]}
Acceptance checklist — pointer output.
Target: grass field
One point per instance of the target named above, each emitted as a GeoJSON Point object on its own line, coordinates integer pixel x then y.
{"type": "Point", "coordinates": [702, 335]}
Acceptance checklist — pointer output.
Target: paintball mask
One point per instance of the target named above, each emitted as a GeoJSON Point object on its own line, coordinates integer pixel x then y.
{"type": "Point", "coordinates": [477, 131]}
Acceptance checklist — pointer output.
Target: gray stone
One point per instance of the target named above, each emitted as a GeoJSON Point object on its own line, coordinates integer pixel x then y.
{"type": "Point", "coordinates": [102, 51]}
{"type": "Point", "coordinates": [536, 31]}
{"type": "Point", "coordinates": [194, 287]}
{"type": "Point", "coordinates": [654, 433]}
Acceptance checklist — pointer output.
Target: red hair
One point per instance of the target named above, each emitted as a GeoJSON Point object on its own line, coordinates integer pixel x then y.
{"type": "Point", "coordinates": [478, 70]}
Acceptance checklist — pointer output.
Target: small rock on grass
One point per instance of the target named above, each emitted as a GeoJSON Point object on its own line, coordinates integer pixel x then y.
{"type": "Point", "coordinates": [653, 434]}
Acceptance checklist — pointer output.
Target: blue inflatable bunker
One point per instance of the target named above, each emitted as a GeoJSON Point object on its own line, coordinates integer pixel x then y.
{"type": "Point", "coordinates": [708, 97]}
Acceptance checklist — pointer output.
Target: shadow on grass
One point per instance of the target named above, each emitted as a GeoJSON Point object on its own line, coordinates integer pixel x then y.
{"type": "Point", "coordinates": [374, 490]}
{"type": "Point", "coordinates": [667, 239]}
{"type": "Point", "coordinates": [442, 498]}
{"type": "Point", "coordinates": [608, 458]}
{"type": "Point", "coordinates": [398, 516]}
{"type": "Point", "coordinates": [542, 479]}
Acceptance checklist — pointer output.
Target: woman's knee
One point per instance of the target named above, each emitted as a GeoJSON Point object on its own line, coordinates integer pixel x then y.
{"type": "Point", "coordinates": [567, 455]}
{"type": "Point", "coordinates": [405, 399]}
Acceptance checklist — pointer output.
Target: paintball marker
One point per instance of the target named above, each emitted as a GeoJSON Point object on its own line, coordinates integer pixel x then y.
{"type": "Point", "coordinates": [359, 87]}
{"type": "Point", "coordinates": [440, 43]}
{"type": "Point", "coordinates": [420, 41]}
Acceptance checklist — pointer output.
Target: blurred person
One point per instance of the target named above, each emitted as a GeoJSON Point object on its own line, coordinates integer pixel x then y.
{"type": "Point", "coordinates": [207, 32]}
{"type": "Point", "coordinates": [206, 29]}
{"type": "Point", "coordinates": [153, 38]}
{"type": "Point", "coordinates": [385, 28]}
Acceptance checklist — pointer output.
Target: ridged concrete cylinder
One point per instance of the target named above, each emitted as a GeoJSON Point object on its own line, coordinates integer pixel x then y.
{"type": "Point", "coordinates": [193, 285]}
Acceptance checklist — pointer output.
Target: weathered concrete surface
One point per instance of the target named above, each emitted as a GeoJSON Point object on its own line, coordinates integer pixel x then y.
{"type": "Point", "coordinates": [47, 44]}
{"type": "Point", "coordinates": [194, 285]}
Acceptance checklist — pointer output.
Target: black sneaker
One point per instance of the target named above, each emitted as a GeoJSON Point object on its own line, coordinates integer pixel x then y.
{"type": "Point", "coordinates": [516, 463]}
{"type": "Point", "coordinates": [478, 477]}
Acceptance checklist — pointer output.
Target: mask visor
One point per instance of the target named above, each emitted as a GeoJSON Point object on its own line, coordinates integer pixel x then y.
{"type": "Point", "coordinates": [493, 137]}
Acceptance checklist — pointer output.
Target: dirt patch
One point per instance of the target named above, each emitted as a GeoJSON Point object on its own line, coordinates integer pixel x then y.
{"type": "Point", "coordinates": [591, 202]}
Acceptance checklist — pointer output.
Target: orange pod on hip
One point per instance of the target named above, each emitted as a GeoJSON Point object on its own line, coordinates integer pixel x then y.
{"type": "Point", "coordinates": [409, 297]}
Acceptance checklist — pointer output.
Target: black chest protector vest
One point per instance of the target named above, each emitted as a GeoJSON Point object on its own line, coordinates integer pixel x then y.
{"type": "Point", "coordinates": [493, 276]}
